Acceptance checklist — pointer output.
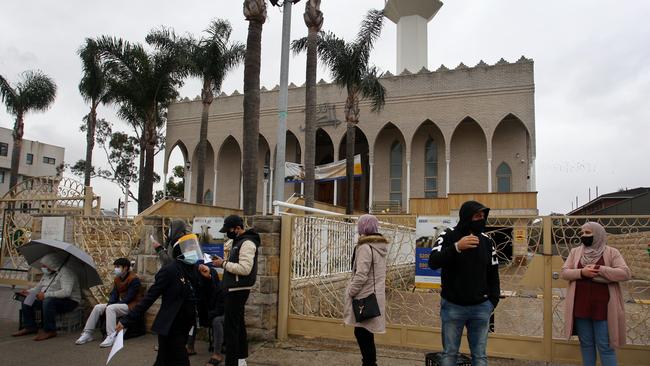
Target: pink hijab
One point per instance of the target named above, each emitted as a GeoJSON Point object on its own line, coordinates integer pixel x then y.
{"type": "Point", "coordinates": [368, 224]}
{"type": "Point", "coordinates": [591, 255]}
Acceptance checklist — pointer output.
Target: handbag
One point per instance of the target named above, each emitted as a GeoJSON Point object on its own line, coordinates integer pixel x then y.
{"type": "Point", "coordinates": [368, 307]}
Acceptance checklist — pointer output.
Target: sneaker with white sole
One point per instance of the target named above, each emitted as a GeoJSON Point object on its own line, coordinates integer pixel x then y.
{"type": "Point", "coordinates": [108, 342]}
{"type": "Point", "coordinates": [85, 338]}
{"type": "Point", "coordinates": [242, 362]}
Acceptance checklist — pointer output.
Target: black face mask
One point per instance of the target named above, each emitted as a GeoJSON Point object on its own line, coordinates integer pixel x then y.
{"type": "Point", "coordinates": [587, 240]}
{"type": "Point", "coordinates": [231, 235]}
{"type": "Point", "coordinates": [477, 227]}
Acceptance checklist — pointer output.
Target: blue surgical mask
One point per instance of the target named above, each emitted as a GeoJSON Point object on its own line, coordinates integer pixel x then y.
{"type": "Point", "coordinates": [45, 270]}
{"type": "Point", "coordinates": [117, 271]}
{"type": "Point", "coordinates": [190, 257]}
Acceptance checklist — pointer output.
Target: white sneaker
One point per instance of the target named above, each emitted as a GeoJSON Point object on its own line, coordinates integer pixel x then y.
{"type": "Point", "coordinates": [85, 337]}
{"type": "Point", "coordinates": [108, 342]}
{"type": "Point", "coordinates": [242, 362]}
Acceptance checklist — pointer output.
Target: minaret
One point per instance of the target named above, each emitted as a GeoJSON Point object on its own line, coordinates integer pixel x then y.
{"type": "Point", "coordinates": [412, 18]}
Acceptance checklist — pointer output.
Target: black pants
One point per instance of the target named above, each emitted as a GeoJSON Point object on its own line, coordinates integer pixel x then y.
{"type": "Point", "coordinates": [171, 348]}
{"type": "Point", "coordinates": [366, 342]}
{"type": "Point", "coordinates": [234, 327]}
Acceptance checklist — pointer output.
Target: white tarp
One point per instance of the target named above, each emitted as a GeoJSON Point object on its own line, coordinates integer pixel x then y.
{"type": "Point", "coordinates": [295, 172]}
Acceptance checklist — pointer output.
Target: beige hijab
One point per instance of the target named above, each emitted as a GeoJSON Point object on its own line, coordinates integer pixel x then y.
{"type": "Point", "coordinates": [592, 254]}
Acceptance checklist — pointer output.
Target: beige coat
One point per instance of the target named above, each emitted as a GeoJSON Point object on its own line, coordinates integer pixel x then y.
{"type": "Point", "coordinates": [361, 283]}
{"type": "Point", "coordinates": [614, 270]}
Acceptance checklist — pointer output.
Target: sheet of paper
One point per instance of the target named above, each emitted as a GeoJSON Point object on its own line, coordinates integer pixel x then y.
{"type": "Point", "coordinates": [117, 345]}
{"type": "Point", "coordinates": [29, 300]}
{"type": "Point", "coordinates": [207, 258]}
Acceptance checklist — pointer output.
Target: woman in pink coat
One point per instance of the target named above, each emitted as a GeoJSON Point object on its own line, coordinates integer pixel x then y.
{"type": "Point", "coordinates": [594, 307]}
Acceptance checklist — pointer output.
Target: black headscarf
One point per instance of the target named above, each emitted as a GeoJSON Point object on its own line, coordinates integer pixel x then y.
{"type": "Point", "coordinates": [467, 210]}
{"type": "Point", "coordinates": [177, 229]}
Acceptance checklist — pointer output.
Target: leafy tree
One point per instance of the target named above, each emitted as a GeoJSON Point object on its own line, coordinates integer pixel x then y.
{"type": "Point", "coordinates": [174, 189]}
{"type": "Point", "coordinates": [349, 64]}
{"type": "Point", "coordinates": [34, 91]}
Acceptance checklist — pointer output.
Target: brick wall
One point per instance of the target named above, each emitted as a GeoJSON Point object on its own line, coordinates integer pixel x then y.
{"type": "Point", "coordinates": [634, 248]}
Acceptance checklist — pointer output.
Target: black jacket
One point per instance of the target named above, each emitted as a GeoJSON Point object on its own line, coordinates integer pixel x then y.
{"type": "Point", "coordinates": [472, 276]}
{"type": "Point", "coordinates": [215, 305]}
{"type": "Point", "coordinates": [175, 287]}
{"type": "Point", "coordinates": [230, 280]}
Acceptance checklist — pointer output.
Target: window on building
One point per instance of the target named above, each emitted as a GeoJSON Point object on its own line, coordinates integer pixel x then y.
{"type": "Point", "coordinates": [30, 159]}
{"type": "Point", "coordinates": [2, 176]}
{"type": "Point", "coordinates": [47, 160]}
{"type": "Point", "coordinates": [396, 172]}
{"type": "Point", "coordinates": [504, 178]}
{"type": "Point", "coordinates": [430, 169]}
{"type": "Point", "coordinates": [4, 149]}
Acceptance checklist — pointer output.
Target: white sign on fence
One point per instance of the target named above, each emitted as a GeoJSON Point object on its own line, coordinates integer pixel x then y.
{"type": "Point", "coordinates": [53, 227]}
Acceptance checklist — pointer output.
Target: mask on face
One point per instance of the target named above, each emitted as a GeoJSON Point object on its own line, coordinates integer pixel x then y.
{"type": "Point", "coordinates": [477, 227]}
{"type": "Point", "coordinates": [117, 271]}
{"type": "Point", "coordinates": [587, 240]}
{"type": "Point", "coordinates": [45, 270]}
{"type": "Point", "coordinates": [190, 257]}
{"type": "Point", "coordinates": [231, 235]}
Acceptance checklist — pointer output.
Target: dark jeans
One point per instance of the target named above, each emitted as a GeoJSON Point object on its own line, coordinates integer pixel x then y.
{"type": "Point", "coordinates": [366, 342]}
{"type": "Point", "coordinates": [456, 317]}
{"type": "Point", "coordinates": [50, 307]}
{"type": "Point", "coordinates": [171, 348]}
{"type": "Point", "coordinates": [234, 327]}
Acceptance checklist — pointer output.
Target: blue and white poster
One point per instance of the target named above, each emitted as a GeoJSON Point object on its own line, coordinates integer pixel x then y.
{"type": "Point", "coordinates": [427, 230]}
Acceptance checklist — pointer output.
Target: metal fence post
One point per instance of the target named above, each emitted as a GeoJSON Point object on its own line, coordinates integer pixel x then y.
{"type": "Point", "coordinates": [286, 235]}
{"type": "Point", "coordinates": [547, 236]}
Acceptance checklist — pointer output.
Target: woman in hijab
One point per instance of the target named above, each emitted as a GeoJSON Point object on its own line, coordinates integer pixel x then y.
{"type": "Point", "coordinates": [184, 285]}
{"type": "Point", "coordinates": [368, 277]}
{"type": "Point", "coordinates": [594, 308]}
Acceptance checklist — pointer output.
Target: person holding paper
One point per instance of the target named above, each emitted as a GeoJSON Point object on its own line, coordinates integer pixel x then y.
{"type": "Point", "coordinates": [124, 297]}
{"type": "Point", "coordinates": [57, 293]}
{"type": "Point", "coordinates": [184, 285]}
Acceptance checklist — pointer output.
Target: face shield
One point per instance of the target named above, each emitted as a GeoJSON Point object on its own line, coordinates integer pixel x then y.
{"type": "Point", "coordinates": [190, 249]}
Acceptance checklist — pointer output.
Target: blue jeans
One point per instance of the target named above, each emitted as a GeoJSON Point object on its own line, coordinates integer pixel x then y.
{"type": "Point", "coordinates": [454, 318]}
{"type": "Point", "coordinates": [50, 307]}
{"type": "Point", "coordinates": [594, 334]}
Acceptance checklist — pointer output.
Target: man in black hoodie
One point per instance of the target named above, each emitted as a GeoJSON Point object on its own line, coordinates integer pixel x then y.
{"type": "Point", "coordinates": [239, 276]}
{"type": "Point", "coordinates": [470, 283]}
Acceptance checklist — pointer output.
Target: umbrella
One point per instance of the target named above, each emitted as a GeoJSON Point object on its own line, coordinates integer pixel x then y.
{"type": "Point", "coordinates": [78, 260]}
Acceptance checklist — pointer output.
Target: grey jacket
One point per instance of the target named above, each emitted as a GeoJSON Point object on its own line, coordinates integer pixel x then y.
{"type": "Point", "coordinates": [63, 284]}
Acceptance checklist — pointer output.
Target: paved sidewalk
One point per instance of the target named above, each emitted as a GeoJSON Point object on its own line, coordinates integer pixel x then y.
{"type": "Point", "coordinates": [61, 351]}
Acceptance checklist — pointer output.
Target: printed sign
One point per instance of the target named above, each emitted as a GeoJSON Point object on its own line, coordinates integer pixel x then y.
{"type": "Point", "coordinates": [53, 227]}
{"type": "Point", "coordinates": [427, 229]}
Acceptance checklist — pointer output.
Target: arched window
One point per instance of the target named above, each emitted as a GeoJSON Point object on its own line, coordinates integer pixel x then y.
{"type": "Point", "coordinates": [504, 178]}
{"type": "Point", "coordinates": [430, 169]}
{"type": "Point", "coordinates": [396, 172]}
{"type": "Point", "coordinates": [208, 197]}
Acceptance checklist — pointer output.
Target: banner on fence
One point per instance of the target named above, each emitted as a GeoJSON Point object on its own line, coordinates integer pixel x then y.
{"type": "Point", "coordinates": [207, 229]}
{"type": "Point", "coordinates": [427, 229]}
{"type": "Point", "coordinates": [295, 173]}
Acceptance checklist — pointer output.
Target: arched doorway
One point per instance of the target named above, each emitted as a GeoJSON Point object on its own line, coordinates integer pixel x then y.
{"type": "Point", "coordinates": [468, 158]}
{"type": "Point", "coordinates": [511, 146]}
{"type": "Point", "coordinates": [428, 162]}
{"type": "Point", "coordinates": [389, 175]}
{"type": "Point", "coordinates": [263, 164]}
{"type": "Point", "coordinates": [229, 174]}
{"type": "Point", "coordinates": [293, 154]}
{"type": "Point", "coordinates": [208, 178]}
{"type": "Point", "coordinates": [361, 184]}
{"type": "Point", "coordinates": [324, 190]}
{"type": "Point", "coordinates": [175, 169]}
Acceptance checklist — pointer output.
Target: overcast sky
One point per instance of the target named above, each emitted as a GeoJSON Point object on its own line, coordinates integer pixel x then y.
{"type": "Point", "coordinates": [592, 71]}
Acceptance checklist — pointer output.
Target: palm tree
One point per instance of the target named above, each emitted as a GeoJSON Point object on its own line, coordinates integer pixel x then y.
{"type": "Point", "coordinates": [210, 59]}
{"type": "Point", "coordinates": [34, 92]}
{"type": "Point", "coordinates": [314, 22]}
{"type": "Point", "coordinates": [94, 90]}
{"type": "Point", "coordinates": [255, 13]}
{"type": "Point", "coordinates": [144, 84]}
{"type": "Point", "coordinates": [349, 64]}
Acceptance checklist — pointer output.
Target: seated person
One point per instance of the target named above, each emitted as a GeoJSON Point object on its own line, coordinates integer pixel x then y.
{"type": "Point", "coordinates": [58, 293]}
{"type": "Point", "coordinates": [124, 297]}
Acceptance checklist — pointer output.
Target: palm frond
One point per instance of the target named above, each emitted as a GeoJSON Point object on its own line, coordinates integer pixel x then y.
{"type": "Point", "coordinates": [371, 88]}
{"type": "Point", "coordinates": [7, 94]}
{"type": "Point", "coordinates": [299, 46]}
{"type": "Point", "coordinates": [93, 86]}
{"type": "Point", "coordinates": [36, 91]}
{"type": "Point", "coordinates": [369, 32]}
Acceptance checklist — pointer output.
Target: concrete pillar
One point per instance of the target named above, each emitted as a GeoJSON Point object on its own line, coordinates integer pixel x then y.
{"type": "Point", "coordinates": [188, 185]}
{"type": "Point", "coordinates": [336, 192]}
{"type": "Point", "coordinates": [408, 186]}
{"type": "Point", "coordinates": [214, 187]}
{"type": "Point", "coordinates": [533, 177]}
{"type": "Point", "coordinates": [489, 174]}
{"type": "Point", "coordinates": [164, 185]}
{"type": "Point", "coordinates": [447, 176]}
{"type": "Point", "coordinates": [270, 204]}
{"type": "Point", "coordinates": [371, 196]}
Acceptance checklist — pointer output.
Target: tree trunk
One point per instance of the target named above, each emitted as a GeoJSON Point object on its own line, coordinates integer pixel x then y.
{"type": "Point", "coordinates": [310, 118]}
{"type": "Point", "coordinates": [349, 167]}
{"type": "Point", "coordinates": [90, 143]}
{"type": "Point", "coordinates": [251, 115]}
{"type": "Point", "coordinates": [19, 129]}
{"type": "Point", "coordinates": [145, 194]}
{"type": "Point", "coordinates": [203, 141]}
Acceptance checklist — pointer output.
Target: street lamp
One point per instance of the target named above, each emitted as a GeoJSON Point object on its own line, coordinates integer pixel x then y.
{"type": "Point", "coordinates": [278, 183]}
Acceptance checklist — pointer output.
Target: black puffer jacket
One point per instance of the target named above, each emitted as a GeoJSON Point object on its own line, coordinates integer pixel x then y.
{"type": "Point", "coordinates": [472, 276]}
